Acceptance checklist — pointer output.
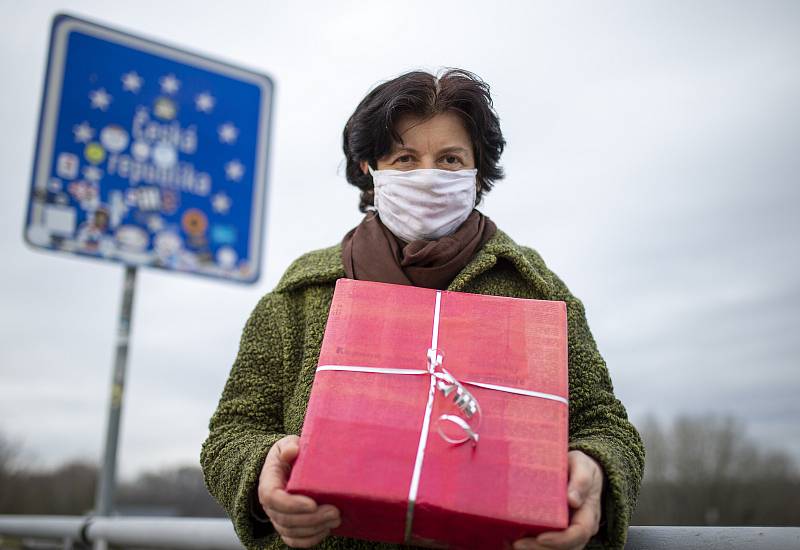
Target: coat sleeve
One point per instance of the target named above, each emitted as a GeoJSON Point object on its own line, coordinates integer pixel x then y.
{"type": "Point", "coordinates": [599, 425]}
{"type": "Point", "coordinates": [247, 422]}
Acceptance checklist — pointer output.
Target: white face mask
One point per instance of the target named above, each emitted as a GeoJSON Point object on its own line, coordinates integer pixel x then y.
{"type": "Point", "coordinates": [423, 204]}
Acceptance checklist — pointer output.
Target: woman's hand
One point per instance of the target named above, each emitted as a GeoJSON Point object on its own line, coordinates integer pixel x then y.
{"type": "Point", "coordinates": [583, 495]}
{"type": "Point", "coordinates": [297, 519]}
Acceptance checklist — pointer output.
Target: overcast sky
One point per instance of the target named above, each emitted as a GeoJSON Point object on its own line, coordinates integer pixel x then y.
{"type": "Point", "coordinates": [653, 159]}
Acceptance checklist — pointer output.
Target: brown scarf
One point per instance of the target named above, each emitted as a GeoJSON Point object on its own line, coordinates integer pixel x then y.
{"type": "Point", "coordinates": [370, 252]}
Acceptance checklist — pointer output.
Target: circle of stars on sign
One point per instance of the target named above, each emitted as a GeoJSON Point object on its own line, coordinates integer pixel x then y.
{"type": "Point", "coordinates": [83, 132]}
{"type": "Point", "coordinates": [234, 170]}
{"type": "Point", "coordinates": [169, 84]}
{"type": "Point", "coordinates": [100, 99]}
{"type": "Point", "coordinates": [132, 82]}
{"type": "Point", "coordinates": [204, 102]}
{"type": "Point", "coordinates": [228, 133]}
{"type": "Point", "coordinates": [221, 203]}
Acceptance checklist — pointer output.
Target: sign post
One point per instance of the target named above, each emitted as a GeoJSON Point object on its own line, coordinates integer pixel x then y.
{"type": "Point", "coordinates": [149, 156]}
{"type": "Point", "coordinates": [104, 500]}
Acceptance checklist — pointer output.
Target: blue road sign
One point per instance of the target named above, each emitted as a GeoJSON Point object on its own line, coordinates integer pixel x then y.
{"type": "Point", "coordinates": [149, 155]}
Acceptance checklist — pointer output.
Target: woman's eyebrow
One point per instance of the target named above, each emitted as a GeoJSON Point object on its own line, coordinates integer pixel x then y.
{"type": "Point", "coordinates": [450, 149]}
{"type": "Point", "coordinates": [453, 149]}
{"type": "Point", "coordinates": [396, 148]}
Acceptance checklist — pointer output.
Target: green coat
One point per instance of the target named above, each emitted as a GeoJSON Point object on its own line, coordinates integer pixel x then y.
{"type": "Point", "coordinates": [267, 391]}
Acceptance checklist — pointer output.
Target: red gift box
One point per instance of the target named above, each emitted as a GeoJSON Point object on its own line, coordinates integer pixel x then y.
{"type": "Point", "coordinates": [374, 441]}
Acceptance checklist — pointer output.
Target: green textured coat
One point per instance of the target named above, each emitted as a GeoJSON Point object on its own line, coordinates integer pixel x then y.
{"type": "Point", "coordinates": [267, 391]}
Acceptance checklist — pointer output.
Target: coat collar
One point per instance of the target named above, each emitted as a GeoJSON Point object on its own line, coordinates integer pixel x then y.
{"type": "Point", "coordinates": [324, 266]}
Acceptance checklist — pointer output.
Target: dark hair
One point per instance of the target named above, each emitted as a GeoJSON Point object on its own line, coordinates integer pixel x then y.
{"type": "Point", "coordinates": [370, 131]}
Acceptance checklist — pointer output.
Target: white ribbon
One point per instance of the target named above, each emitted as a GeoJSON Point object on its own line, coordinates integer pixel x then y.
{"type": "Point", "coordinates": [507, 389]}
{"type": "Point", "coordinates": [447, 383]}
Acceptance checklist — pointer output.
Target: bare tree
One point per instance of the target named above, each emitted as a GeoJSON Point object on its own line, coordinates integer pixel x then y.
{"type": "Point", "coordinates": [177, 491]}
{"type": "Point", "coordinates": [707, 471]}
{"type": "Point", "coordinates": [9, 453]}
{"type": "Point", "coordinates": [70, 488]}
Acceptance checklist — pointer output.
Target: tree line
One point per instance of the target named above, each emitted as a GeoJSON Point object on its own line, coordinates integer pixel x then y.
{"type": "Point", "coordinates": [709, 471]}
{"type": "Point", "coordinates": [69, 489]}
{"type": "Point", "coordinates": [699, 471]}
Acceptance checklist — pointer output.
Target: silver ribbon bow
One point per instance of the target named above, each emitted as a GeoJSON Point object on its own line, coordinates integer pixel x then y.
{"type": "Point", "coordinates": [448, 385]}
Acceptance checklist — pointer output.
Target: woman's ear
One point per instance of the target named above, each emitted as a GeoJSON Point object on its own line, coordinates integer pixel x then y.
{"type": "Point", "coordinates": [364, 167]}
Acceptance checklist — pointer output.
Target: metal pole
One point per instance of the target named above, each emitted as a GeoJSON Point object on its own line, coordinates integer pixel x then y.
{"type": "Point", "coordinates": [104, 499]}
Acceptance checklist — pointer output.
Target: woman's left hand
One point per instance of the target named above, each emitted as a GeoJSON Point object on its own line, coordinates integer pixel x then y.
{"type": "Point", "coordinates": [583, 494]}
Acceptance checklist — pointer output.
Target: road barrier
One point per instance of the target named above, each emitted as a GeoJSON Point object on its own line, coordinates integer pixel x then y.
{"type": "Point", "coordinates": [73, 532]}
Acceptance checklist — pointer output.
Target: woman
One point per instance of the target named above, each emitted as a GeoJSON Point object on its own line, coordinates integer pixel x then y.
{"type": "Point", "coordinates": [423, 150]}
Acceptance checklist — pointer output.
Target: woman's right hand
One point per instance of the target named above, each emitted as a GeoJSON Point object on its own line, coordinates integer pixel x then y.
{"type": "Point", "coordinates": [297, 518]}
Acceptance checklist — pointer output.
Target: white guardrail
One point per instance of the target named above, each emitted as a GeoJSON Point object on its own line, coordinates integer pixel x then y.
{"type": "Point", "coordinates": [207, 533]}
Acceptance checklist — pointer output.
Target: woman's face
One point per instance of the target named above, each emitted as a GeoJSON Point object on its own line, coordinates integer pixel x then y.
{"type": "Point", "coordinates": [439, 142]}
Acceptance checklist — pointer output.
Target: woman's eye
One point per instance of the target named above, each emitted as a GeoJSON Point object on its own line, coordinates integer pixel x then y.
{"type": "Point", "coordinates": [452, 159]}
{"type": "Point", "coordinates": [403, 158]}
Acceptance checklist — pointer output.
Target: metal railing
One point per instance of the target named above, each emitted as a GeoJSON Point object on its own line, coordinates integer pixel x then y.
{"type": "Point", "coordinates": [207, 533]}
{"type": "Point", "coordinates": [140, 532]}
